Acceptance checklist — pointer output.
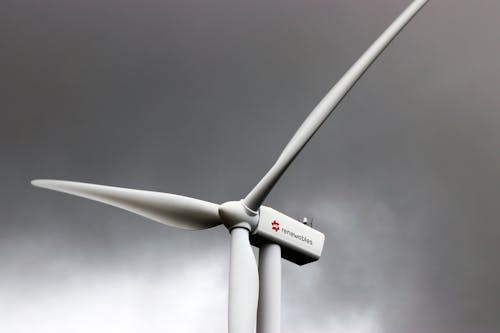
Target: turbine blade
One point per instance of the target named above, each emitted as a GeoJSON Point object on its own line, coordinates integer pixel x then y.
{"type": "Point", "coordinates": [325, 107]}
{"type": "Point", "coordinates": [170, 209]}
{"type": "Point", "coordinates": [243, 284]}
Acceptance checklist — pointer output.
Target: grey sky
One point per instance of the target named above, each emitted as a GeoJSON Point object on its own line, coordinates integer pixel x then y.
{"type": "Point", "coordinates": [198, 98]}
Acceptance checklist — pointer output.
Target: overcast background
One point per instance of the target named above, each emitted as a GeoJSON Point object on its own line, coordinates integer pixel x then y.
{"type": "Point", "coordinates": [198, 98]}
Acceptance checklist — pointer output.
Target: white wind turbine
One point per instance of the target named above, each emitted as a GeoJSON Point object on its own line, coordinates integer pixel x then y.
{"type": "Point", "coordinates": [249, 223]}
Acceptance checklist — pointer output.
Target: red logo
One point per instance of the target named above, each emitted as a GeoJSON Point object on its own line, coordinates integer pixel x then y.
{"type": "Point", "coordinates": [276, 226]}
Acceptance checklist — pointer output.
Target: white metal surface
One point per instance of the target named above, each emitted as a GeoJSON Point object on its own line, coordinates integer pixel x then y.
{"type": "Point", "coordinates": [300, 243]}
{"type": "Point", "coordinates": [325, 107]}
{"type": "Point", "coordinates": [235, 214]}
{"type": "Point", "coordinates": [243, 284]}
{"type": "Point", "coordinates": [269, 310]}
{"type": "Point", "coordinates": [170, 209]}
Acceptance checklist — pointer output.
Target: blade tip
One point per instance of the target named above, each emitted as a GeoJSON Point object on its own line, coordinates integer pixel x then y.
{"type": "Point", "coordinates": [40, 182]}
{"type": "Point", "coordinates": [36, 182]}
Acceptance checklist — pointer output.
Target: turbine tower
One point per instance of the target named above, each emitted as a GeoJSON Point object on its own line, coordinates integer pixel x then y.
{"type": "Point", "coordinates": [248, 221]}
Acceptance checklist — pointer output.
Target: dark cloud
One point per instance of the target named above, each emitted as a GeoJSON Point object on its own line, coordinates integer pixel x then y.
{"type": "Point", "coordinates": [198, 98]}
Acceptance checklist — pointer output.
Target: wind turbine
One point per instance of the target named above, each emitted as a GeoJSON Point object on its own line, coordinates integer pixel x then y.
{"type": "Point", "coordinates": [248, 221]}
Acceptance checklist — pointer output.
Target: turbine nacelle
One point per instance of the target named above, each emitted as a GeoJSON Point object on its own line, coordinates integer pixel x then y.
{"type": "Point", "coordinates": [300, 243]}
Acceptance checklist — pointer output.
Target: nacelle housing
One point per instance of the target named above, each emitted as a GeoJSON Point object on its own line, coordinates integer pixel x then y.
{"type": "Point", "coordinates": [299, 243]}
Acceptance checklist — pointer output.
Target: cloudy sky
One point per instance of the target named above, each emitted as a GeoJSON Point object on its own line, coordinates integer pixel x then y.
{"type": "Point", "coordinates": [198, 98]}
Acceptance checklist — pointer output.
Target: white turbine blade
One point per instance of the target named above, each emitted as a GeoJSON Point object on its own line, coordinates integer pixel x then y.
{"type": "Point", "coordinates": [325, 107]}
{"type": "Point", "coordinates": [243, 284]}
{"type": "Point", "coordinates": [170, 209]}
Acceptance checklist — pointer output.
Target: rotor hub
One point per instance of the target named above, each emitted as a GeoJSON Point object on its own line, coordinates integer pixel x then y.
{"type": "Point", "coordinates": [235, 214]}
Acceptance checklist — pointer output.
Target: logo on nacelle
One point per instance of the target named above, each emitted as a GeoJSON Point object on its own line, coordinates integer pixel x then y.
{"type": "Point", "coordinates": [276, 226]}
